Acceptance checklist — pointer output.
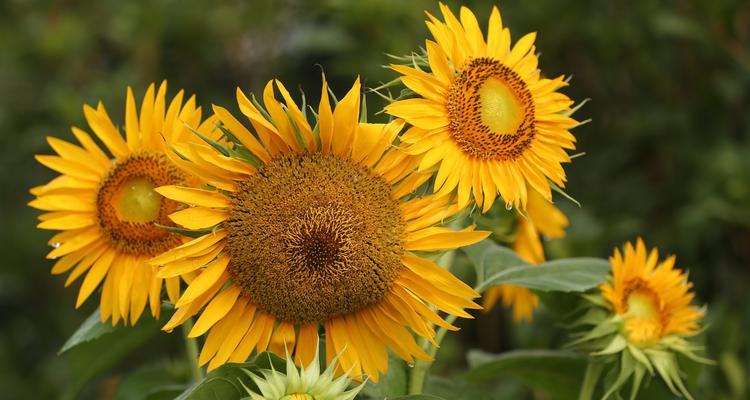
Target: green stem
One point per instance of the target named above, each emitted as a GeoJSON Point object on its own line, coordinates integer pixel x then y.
{"type": "Point", "coordinates": [421, 368]}
{"type": "Point", "coordinates": [191, 350]}
{"type": "Point", "coordinates": [590, 379]}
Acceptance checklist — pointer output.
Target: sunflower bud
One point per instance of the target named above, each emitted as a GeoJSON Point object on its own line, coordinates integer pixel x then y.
{"type": "Point", "coordinates": [306, 383]}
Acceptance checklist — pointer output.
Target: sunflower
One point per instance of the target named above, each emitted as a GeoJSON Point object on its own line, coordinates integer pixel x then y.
{"type": "Point", "coordinates": [312, 226]}
{"type": "Point", "coordinates": [652, 297]}
{"type": "Point", "coordinates": [106, 207]}
{"type": "Point", "coordinates": [640, 321]}
{"type": "Point", "coordinates": [542, 218]}
{"type": "Point", "coordinates": [485, 116]}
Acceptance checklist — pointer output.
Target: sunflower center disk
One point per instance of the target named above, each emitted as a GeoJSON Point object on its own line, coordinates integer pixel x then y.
{"type": "Point", "coordinates": [643, 319]}
{"type": "Point", "coordinates": [128, 207]}
{"type": "Point", "coordinates": [312, 236]}
{"type": "Point", "coordinates": [136, 201]}
{"type": "Point", "coordinates": [490, 111]}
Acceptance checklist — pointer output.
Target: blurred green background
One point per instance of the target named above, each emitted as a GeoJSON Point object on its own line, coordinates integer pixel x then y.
{"type": "Point", "coordinates": [667, 151]}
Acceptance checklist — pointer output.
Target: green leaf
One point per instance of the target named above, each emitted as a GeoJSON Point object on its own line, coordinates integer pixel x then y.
{"type": "Point", "coordinates": [91, 329]}
{"type": "Point", "coordinates": [393, 383]}
{"type": "Point", "coordinates": [214, 389]}
{"type": "Point", "coordinates": [489, 259]}
{"type": "Point", "coordinates": [223, 383]}
{"type": "Point", "coordinates": [159, 381]}
{"type": "Point", "coordinates": [416, 397]}
{"type": "Point", "coordinates": [566, 275]}
{"type": "Point", "coordinates": [457, 388]}
{"type": "Point", "coordinates": [96, 347]}
{"type": "Point", "coordinates": [556, 372]}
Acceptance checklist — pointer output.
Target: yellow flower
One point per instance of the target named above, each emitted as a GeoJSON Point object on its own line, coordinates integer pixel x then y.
{"type": "Point", "coordinates": [485, 116]}
{"type": "Point", "coordinates": [315, 227]}
{"type": "Point", "coordinates": [542, 218]}
{"type": "Point", "coordinates": [106, 207]}
{"type": "Point", "coordinates": [640, 321]}
{"type": "Point", "coordinates": [652, 297]}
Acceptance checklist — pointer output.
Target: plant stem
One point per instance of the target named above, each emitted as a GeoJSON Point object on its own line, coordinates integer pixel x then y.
{"type": "Point", "coordinates": [421, 368]}
{"type": "Point", "coordinates": [191, 350]}
{"type": "Point", "coordinates": [590, 379]}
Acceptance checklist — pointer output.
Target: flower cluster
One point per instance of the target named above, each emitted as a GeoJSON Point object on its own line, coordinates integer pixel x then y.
{"type": "Point", "coordinates": [283, 222]}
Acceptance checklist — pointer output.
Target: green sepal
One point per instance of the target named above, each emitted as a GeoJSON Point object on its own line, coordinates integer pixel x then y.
{"type": "Point", "coordinates": [188, 232]}
{"type": "Point", "coordinates": [558, 189]}
{"type": "Point", "coordinates": [616, 345]}
{"type": "Point", "coordinates": [626, 369]}
{"type": "Point", "coordinates": [260, 108]}
{"type": "Point", "coordinates": [363, 110]}
{"type": "Point", "coordinates": [219, 147]}
{"type": "Point", "coordinates": [239, 151]}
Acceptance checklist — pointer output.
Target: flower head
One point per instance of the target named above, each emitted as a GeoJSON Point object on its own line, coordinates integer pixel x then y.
{"type": "Point", "coordinates": [484, 115]}
{"type": "Point", "coordinates": [652, 297]}
{"type": "Point", "coordinates": [106, 207]}
{"type": "Point", "coordinates": [642, 319]}
{"type": "Point", "coordinates": [311, 225]}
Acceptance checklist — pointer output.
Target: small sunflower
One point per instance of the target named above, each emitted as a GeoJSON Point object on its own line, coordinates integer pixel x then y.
{"type": "Point", "coordinates": [641, 320]}
{"type": "Point", "coordinates": [542, 218]}
{"type": "Point", "coordinates": [311, 226]}
{"type": "Point", "coordinates": [653, 298]}
{"type": "Point", "coordinates": [485, 116]}
{"type": "Point", "coordinates": [307, 383]}
{"type": "Point", "coordinates": [106, 207]}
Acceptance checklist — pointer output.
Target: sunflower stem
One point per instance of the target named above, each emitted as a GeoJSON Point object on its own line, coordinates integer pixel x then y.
{"type": "Point", "coordinates": [590, 379]}
{"type": "Point", "coordinates": [191, 351]}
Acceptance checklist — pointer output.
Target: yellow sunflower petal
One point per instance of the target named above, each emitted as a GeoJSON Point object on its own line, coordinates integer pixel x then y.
{"type": "Point", "coordinates": [194, 197]}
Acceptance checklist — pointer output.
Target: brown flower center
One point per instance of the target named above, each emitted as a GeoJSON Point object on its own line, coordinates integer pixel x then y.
{"type": "Point", "coordinates": [128, 207]}
{"type": "Point", "coordinates": [313, 236]}
{"type": "Point", "coordinates": [490, 111]}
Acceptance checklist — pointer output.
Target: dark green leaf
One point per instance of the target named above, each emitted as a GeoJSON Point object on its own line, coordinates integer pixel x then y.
{"type": "Point", "coordinates": [223, 383]}
{"type": "Point", "coordinates": [91, 329]}
{"type": "Point", "coordinates": [555, 372]}
{"type": "Point", "coordinates": [566, 275]}
{"type": "Point", "coordinates": [416, 397]}
{"type": "Point", "coordinates": [95, 347]}
{"type": "Point", "coordinates": [393, 383]}
{"type": "Point", "coordinates": [160, 381]}
{"type": "Point", "coordinates": [214, 389]}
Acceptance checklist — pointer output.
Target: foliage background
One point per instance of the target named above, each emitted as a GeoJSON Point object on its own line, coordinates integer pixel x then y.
{"type": "Point", "coordinates": [667, 152]}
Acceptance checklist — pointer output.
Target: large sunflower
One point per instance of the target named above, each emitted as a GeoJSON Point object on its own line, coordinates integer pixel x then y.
{"type": "Point", "coordinates": [106, 207]}
{"type": "Point", "coordinates": [485, 114]}
{"type": "Point", "coordinates": [652, 297]}
{"type": "Point", "coordinates": [310, 226]}
{"type": "Point", "coordinates": [542, 218]}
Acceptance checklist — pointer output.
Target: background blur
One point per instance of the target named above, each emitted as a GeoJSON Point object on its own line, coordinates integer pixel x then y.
{"type": "Point", "coordinates": [667, 153]}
